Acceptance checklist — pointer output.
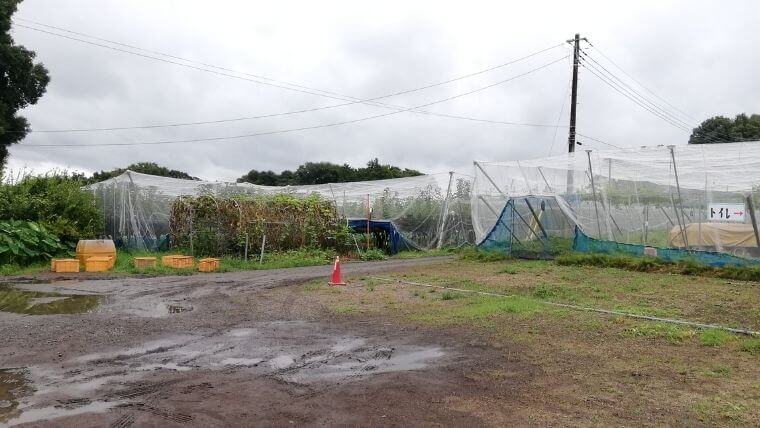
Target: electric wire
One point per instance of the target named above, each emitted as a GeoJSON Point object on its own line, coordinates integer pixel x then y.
{"type": "Point", "coordinates": [492, 68]}
{"type": "Point", "coordinates": [639, 83]}
{"type": "Point", "coordinates": [612, 84]}
{"type": "Point", "coordinates": [299, 88]}
{"type": "Point", "coordinates": [633, 90]}
{"type": "Point", "coordinates": [326, 125]}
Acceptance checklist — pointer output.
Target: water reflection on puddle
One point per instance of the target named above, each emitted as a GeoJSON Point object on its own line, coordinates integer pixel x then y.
{"type": "Point", "coordinates": [44, 303]}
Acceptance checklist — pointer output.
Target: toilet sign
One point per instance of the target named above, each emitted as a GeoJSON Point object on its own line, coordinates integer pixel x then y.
{"type": "Point", "coordinates": [726, 212]}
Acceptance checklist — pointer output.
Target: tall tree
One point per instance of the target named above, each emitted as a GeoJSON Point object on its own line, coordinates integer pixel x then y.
{"type": "Point", "coordinates": [22, 82]}
{"type": "Point", "coordinates": [721, 129]}
{"type": "Point", "coordinates": [326, 172]}
{"type": "Point", "coordinates": [142, 167]}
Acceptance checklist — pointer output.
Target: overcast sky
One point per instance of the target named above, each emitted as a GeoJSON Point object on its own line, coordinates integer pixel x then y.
{"type": "Point", "coordinates": [697, 55]}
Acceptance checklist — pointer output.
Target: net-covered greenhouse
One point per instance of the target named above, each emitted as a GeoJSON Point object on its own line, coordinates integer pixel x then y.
{"type": "Point", "coordinates": [144, 211]}
{"type": "Point", "coordinates": [683, 202]}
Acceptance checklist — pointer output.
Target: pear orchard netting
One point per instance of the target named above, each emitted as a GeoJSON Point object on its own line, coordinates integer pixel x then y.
{"type": "Point", "coordinates": [144, 211]}
{"type": "Point", "coordinates": [695, 202]}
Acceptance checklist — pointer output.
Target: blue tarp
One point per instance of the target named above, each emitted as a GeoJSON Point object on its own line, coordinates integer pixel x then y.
{"type": "Point", "coordinates": [395, 240]}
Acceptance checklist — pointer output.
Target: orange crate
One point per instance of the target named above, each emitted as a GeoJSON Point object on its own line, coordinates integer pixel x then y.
{"type": "Point", "coordinates": [64, 265]}
{"type": "Point", "coordinates": [209, 264]}
{"type": "Point", "coordinates": [145, 262]}
{"type": "Point", "coordinates": [177, 261]}
{"type": "Point", "coordinates": [98, 264]}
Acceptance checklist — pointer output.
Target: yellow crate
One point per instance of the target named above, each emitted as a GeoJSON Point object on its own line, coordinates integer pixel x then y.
{"type": "Point", "coordinates": [209, 264]}
{"type": "Point", "coordinates": [168, 260]}
{"type": "Point", "coordinates": [177, 261]}
{"type": "Point", "coordinates": [98, 264]}
{"type": "Point", "coordinates": [64, 265]}
{"type": "Point", "coordinates": [145, 262]}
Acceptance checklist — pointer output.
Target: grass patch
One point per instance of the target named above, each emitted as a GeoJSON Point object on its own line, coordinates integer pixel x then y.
{"type": "Point", "coordinates": [415, 254]}
{"type": "Point", "coordinates": [473, 254]}
{"type": "Point", "coordinates": [720, 370]}
{"type": "Point", "coordinates": [125, 263]}
{"type": "Point", "coordinates": [714, 337]}
{"type": "Point", "coordinates": [344, 309]}
{"type": "Point", "coordinates": [373, 254]}
{"type": "Point", "coordinates": [651, 264]}
{"type": "Point", "coordinates": [750, 345]}
{"type": "Point", "coordinates": [449, 295]}
{"type": "Point", "coordinates": [509, 270]}
{"type": "Point", "coordinates": [486, 306]}
{"type": "Point", "coordinates": [672, 333]}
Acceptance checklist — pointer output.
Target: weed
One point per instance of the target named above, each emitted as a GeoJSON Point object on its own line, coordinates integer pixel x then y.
{"type": "Point", "coordinates": [671, 332]}
{"type": "Point", "coordinates": [720, 370]}
{"type": "Point", "coordinates": [448, 295]}
{"type": "Point", "coordinates": [545, 291]}
{"type": "Point", "coordinates": [474, 254]}
{"type": "Point", "coordinates": [344, 309]}
{"type": "Point", "coordinates": [650, 264]}
{"type": "Point", "coordinates": [373, 254]}
{"type": "Point", "coordinates": [714, 337]}
{"type": "Point", "coordinates": [751, 345]}
{"type": "Point", "coordinates": [312, 286]}
{"type": "Point", "coordinates": [508, 270]}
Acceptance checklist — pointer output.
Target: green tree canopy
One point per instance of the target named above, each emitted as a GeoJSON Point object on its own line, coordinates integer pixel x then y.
{"type": "Point", "coordinates": [327, 172]}
{"type": "Point", "coordinates": [721, 129]}
{"type": "Point", "coordinates": [22, 82]}
{"type": "Point", "coordinates": [142, 167]}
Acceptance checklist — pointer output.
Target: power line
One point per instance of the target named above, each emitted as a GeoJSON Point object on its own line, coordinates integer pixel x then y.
{"type": "Point", "coordinates": [282, 131]}
{"type": "Point", "coordinates": [639, 83]}
{"type": "Point", "coordinates": [643, 98]}
{"type": "Point", "coordinates": [275, 80]}
{"type": "Point", "coordinates": [588, 67]}
{"type": "Point", "coordinates": [631, 95]}
{"type": "Point", "coordinates": [308, 90]}
{"type": "Point", "coordinates": [598, 140]}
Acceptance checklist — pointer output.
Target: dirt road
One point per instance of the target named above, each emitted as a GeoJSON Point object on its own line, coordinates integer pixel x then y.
{"type": "Point", "coordinates": [217, 350]}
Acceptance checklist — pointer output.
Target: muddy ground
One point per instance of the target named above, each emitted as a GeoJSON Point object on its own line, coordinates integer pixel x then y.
{"type": "Point", "coordinates": [218, 350]}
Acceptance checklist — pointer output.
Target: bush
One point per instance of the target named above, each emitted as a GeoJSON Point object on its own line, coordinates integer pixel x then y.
{"type": "Point", "coordinates": [217, 226]}
{"type": "Point", "coordinates": [373, 254]}
{"type": "Point", "coordinates": [55, 201]}
{"type": "Point", "coordinates": [26, 242]}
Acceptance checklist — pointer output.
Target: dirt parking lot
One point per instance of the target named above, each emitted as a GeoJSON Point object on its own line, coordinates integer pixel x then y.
{"type": "Point", "coordinates": [281, 348]}
{"type": "Point", "coordinates": [217, 350]}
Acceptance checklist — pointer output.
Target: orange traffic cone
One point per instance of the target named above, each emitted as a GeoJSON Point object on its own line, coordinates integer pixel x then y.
{"type": "Point", "coordinates": [336, 280]}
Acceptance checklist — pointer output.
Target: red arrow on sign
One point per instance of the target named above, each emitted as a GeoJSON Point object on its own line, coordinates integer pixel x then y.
{"type": "Point", "coordinates": [739, 213]}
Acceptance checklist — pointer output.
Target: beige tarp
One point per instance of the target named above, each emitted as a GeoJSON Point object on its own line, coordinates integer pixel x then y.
{"type": "Point", "coordinates": [717, 235]}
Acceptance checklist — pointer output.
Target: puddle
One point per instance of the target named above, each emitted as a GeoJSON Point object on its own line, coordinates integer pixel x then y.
{"type": "Point", "coordinates": [13, 386]}
{"type": "Point", "coordinates": [281, 361]}
{"type": "Point", "coordinates": [44, 303]}
{"type": "Point", "coordinates": [177, 309]}
{"type": "Point", "coordinates": [54, 412]}
{"type": "Point", "coordinates": [297, 352]}
{"type": "Point", "coordinates": [150, 309]}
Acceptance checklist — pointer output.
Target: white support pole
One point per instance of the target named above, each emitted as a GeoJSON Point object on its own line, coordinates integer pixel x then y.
{"type": "Point", "coordinates": [682, 220]}
{"type": "Point", "coordinates": [444, 212]}
{"type": "Point", "coordinates": [593, 191]}
{"type": "Point", "coordinates": [489, 178]}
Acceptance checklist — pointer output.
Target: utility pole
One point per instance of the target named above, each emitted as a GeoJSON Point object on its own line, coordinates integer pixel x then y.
{"type": "Point", "coordinates": [573, 105]}
{"type": "Point", "coordinates": [574, 97]}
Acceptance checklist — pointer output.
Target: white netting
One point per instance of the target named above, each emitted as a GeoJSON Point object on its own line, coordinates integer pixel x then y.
{"type": "Point", "coordinates": [137, 206]}
{"type": "Point", "coordinates": [696, 196]}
